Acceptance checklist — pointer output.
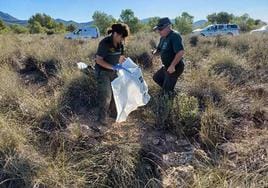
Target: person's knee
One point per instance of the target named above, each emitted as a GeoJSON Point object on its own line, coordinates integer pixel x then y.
{"type": "Point", "coordinates": [180, 69]}
{"type": "Point", "coordinates": [155, 78]}
{"type": "Point", "coordinates": [158, 78]}
{"type": "Point", "coordinates": [107, 96]}
{"type": "Point", "coordinates": [104, 95]}
{"type": "Point", "coordinates": [169, 84]}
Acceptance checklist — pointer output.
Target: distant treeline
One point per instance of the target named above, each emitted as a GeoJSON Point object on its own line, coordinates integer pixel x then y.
{"type": "Point", "coordinates": [42, 23]}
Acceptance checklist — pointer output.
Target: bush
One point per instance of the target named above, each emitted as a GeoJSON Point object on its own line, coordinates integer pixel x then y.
{"type": "Point", "coordinates": [40, 23]}
{"type": "Point", "coordinates": [194, 40]}
{"type": "Point", "coordinates": [79, 94]}
{"type": "Point", "coordinates": [221, 41]}
{"type": "Point", "coordinates": [18, 165]}
{"type": "Point", "coordinates": [36, 28]}
{"type": "Point", "coordinates": [162, 109]}
{"type": "Point", "coordinates": [215, 128]}
{"type": "Point", "coordinates": [205, 87]}
{"type": "Point", "coordinates": [185, 115]}
{"type": "Point", "coordinates": [229, 65]}
{"type": "Point", "coordinates": [17, 29]}
{"type": "Point", "coordinates": [258, 53]}
{"type": "Point", "coordinates": [242, 44]}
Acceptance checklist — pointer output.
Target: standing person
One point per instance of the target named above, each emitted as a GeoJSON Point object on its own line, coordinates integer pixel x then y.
{"type": "Point", "coordinates": [171, 50]}
{"type": "Point", "coordinates": [109, 56]}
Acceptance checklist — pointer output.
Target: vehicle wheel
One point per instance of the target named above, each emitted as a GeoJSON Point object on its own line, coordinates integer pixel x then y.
{"type": "Point", "coordinates": [230, 34]}
{"type": "Point", "coordinates": [202, 34]}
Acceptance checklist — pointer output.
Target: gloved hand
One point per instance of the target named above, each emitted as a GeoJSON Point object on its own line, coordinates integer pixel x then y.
{"type": "Point", "coordinates": [117, 67]}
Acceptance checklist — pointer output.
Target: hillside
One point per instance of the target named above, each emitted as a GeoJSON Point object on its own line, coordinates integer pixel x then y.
{"type": "Point", "coordinates": [8, 19]}
{"type": "Point", "coordinates": [12, 20]}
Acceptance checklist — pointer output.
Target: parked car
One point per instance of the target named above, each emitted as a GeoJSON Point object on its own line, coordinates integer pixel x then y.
{"type": "Point", "coordinates": [84, 33]}
{"type": "Point", "coordinates": [263, 29]}
{"type": "Point", "coordinates": [218, 29]}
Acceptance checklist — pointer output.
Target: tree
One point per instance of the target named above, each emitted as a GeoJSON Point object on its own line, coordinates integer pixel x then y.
{"type": "Point", "coordinates": [47, 24]}
{"type": "Point", "coordinates": [212, 18]}
{"type": "Point", "coordinates": [59, 28]}
{"type": "Point", "coordinates": [18, 29]}
{"type": "Point", "coordinates": [220, 18]}
{"type": "Point", "coordinates": [246, 23]}
{"type": "Point", "coordinates": [258, 22]}
{"type": "Point", "coordinates": [102, 21]}
{"type": "Point", "coordinates": [71, 27]}
{"type": "Point", "coordinates": [2, 25]}
{"type": "Point", "coordinates": [35, 27]}
{"type": "Point", "coordinates": [127, 16]}
{"type": "Point", "coordinates": [43, 19]}
{"type": "Point", "coordinates": [184, 23]}
{"type": "Point", "coordinates": [152, 22]}
{"type": "Point", "coordinates": [224, 18]}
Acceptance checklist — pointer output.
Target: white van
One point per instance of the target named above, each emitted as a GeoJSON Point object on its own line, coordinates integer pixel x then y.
{"type": "Point", "coordinates": [218, 29]}
{"type": "Point", "coordinates": [84, 33]}
{"type": "Point", "coordinates": [263, 29]}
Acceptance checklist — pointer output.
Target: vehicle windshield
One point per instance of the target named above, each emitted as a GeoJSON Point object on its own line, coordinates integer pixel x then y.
{"type": "Point", "coordinates": [208, 27]}
{"type": "Point", "coordinates": [77, 31]}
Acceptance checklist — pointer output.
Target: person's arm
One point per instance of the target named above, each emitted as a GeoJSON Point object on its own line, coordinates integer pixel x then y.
{"type": "Point", "coordinates": [175, 61]}
{"type": "Point", "coordinates": [102, 52]}
{"type": "Point", "coordinates": [122, 59]}
{"type": "Point", "coordinates": [122, 56]}
{"type": "Point", "coordinates": [157, 50]}
{"type": "Point", "coordinates": [102, 63]}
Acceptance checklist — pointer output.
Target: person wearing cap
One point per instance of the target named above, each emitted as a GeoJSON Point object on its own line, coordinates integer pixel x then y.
{"type": "Point", "coordinates": [109, 56]}
{"type": "Point", "coordinates": [171, 50]}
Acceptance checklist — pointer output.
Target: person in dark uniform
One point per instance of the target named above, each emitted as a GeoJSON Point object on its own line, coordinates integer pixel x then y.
{"type": "Point", "coordinates": [171, 50]}
{"type": "Point", "coordinates": [109, 56]}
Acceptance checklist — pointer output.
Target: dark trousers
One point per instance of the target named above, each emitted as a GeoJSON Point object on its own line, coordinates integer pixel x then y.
{"type": "Point", "coordinates": [168, 81]}
{"type": "Point", "coordinates": [105, 94]}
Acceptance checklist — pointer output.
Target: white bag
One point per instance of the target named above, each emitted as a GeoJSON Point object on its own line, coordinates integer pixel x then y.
{"type": "Point", "coordinates": [129, 90]}
{"type": "Point", "coordinates": [81, 65]}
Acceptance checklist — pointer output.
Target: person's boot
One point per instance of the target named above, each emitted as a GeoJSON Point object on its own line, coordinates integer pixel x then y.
{"type": "Point", "coordinates": [102, 121]}
{"type": "Point", "coordinates": [99, 122]}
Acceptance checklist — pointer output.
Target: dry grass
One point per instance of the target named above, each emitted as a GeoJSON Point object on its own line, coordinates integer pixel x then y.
{"type": "Point", "coordinates": [222, 100]}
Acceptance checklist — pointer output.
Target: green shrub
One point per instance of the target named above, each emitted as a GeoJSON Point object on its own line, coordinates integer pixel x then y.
{"type": "Point", "coordinates": [185, 115]}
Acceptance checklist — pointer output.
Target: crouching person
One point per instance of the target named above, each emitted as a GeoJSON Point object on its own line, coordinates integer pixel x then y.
{"type": "Point", "coordinates": [109, 56]}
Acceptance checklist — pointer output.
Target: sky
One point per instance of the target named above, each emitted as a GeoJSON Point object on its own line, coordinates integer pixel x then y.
{"type": "Point", "coordinates": [82, 10]}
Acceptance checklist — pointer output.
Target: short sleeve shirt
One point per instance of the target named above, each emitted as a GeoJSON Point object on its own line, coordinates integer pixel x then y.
{"type": "Point", "coordinates": [109, 52]}
{"type": "Point", "coordinates": [169, 46]}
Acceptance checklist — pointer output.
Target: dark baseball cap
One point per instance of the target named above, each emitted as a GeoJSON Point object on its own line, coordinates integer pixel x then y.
{"type": "Point", "coordinates": [162, 23]}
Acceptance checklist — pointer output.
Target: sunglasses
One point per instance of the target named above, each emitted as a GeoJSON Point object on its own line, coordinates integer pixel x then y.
{"type": "Point", "coordinates": [161, 29]}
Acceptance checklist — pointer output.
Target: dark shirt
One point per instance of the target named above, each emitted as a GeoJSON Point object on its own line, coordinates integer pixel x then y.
{"type": "Point", "coordinates": [109, 52]}
{"type": "Point", "coordinates": [169, 46]}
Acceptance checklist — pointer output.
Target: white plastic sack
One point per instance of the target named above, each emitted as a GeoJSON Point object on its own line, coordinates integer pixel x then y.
{"type": "Point", "coordinates": [129, 89]}
{"type": "Point", "coordinates": [81, 65]}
